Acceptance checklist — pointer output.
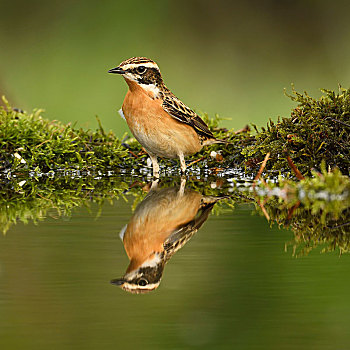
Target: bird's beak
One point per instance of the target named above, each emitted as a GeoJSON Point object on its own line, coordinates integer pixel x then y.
{"type": "Point", "coordinates": [118, 282]}
{"type": "Point", "coordinates": [117, 70]}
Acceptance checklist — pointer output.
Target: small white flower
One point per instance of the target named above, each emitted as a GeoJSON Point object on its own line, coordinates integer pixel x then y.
{"type": "Point", "coordinates": [213, 154]}
{"type": "Point", "coordinates": [19, 158]}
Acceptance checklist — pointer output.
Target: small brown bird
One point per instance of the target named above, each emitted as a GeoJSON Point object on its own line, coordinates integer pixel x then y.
{"type": "Point", "coordinates": [162, 223]}
{"type": "Point", "coordinates": [162, 124]}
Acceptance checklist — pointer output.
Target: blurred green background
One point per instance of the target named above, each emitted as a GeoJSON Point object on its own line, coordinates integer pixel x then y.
{"type": "Point", "coordinates": [232, 58]}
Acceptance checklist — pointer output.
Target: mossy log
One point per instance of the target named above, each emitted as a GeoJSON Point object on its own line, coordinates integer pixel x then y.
{"type": "Point", "coordinates": [316, 131]}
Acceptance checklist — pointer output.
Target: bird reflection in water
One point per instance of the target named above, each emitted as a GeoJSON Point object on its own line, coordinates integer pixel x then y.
{"type": "Point", "coordinates": [162, 224]}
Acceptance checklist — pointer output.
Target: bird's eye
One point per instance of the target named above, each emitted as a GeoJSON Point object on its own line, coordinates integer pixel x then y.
{"type": "Point", "coordinates": [142, 282]}
{"type": "Point", "coordinates": [141, 69]}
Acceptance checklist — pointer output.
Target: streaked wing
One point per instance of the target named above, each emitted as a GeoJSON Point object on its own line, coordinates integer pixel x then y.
{"type": "Point", "coordinates": [184, 233]}
{"type": "Point", "coordinates": [184, 114]}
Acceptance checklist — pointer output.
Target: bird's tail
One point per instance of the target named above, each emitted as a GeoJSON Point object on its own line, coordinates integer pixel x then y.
{"type": "Point", "coordinates": [215, 141]}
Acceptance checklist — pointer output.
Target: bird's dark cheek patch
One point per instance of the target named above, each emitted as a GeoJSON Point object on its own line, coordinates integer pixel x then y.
{"type": "Point", "coordinates": [144, 81]}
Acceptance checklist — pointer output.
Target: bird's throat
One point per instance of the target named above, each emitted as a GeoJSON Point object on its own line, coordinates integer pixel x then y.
{"type": "Point", "coordinates": [150, 90]}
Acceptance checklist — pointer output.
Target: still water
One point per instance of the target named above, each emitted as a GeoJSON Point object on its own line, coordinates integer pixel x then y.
{"type": "Point", "coordinates": [231, 280]}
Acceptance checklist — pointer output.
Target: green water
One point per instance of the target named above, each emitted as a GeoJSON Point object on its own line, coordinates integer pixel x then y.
{"type": "Point", "coordinates": [232, 286]}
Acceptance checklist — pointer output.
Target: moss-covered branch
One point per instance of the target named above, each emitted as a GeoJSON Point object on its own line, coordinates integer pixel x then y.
{"type": "Point", "coordinates": [316, 131]}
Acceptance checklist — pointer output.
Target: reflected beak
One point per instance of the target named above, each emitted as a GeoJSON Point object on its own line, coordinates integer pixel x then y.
{"type": "Point", "coordinates": [118, 281]}
{"type": "Point", "coordinates": [117, 70]}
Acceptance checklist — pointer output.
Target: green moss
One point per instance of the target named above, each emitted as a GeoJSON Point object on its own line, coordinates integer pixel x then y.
{"type": "Point", "coordinates": [316, 131]}
{"type": "Point", "coordinates": [30, 142]}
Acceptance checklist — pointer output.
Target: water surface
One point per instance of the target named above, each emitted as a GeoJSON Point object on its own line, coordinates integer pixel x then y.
{"type": "Point", "coordinates": [232, 285]}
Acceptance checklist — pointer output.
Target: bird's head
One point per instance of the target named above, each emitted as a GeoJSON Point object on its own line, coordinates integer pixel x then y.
{"type": "Point", "coordinates": [143, 279]}
{"type": "Point", "coordinates": [141, 70]}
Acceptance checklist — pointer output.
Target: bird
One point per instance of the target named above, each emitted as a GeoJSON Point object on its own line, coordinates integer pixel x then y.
{"type": "Point", "coordinates": [160, 122]}
{"type": "Point", "coordinates": [162, 224]}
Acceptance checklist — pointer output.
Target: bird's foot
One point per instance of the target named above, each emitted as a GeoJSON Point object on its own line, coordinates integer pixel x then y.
{"type": "Point", "coordinates": [154, 184]}
{"type": "Point", "coordinates": [183, 169]}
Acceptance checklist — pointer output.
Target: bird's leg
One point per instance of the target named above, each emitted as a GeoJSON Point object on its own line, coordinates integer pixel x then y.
{"type": "Point", "coordinates": [182, 186]}
{"type": "Point", "coordinates": [183, 163]}
{"type": "Point", "coordinates": [155, 165]}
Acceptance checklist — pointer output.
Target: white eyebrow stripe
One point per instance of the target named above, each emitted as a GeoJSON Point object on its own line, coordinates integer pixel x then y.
{"type": "Point", "coordinates": [134, 65]}
{"type": "Point", "coordinates": [129, 286]}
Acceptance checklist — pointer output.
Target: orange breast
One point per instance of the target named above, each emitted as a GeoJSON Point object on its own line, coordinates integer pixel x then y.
{"type": "Point", "coordinates": [154, 128]}
{"type": "Point", "coordinates": [155, 219]}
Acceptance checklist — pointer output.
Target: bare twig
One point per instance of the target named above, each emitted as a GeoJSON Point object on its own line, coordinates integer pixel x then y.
{"type": "Point", "coordinates": [245, 129]}
{"type": "Point", "coordinates": [261, 205]}
{"type": "Point", "coordinates": [132, 153]}
{"type": "Point", "coordinates": [291, 210]}
{"type": "Point", "coordinates": [338, 121]}
{"type": "Point", "coordinates": [196, 161]}
{"type": "Point", "coordinates": [295, 169]}
{"type": "Point", "coordinates": [262, 167]}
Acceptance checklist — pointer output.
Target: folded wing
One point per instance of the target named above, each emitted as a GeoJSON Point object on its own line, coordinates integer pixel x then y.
{"type": "Point", "coordinates": [184, 114]}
